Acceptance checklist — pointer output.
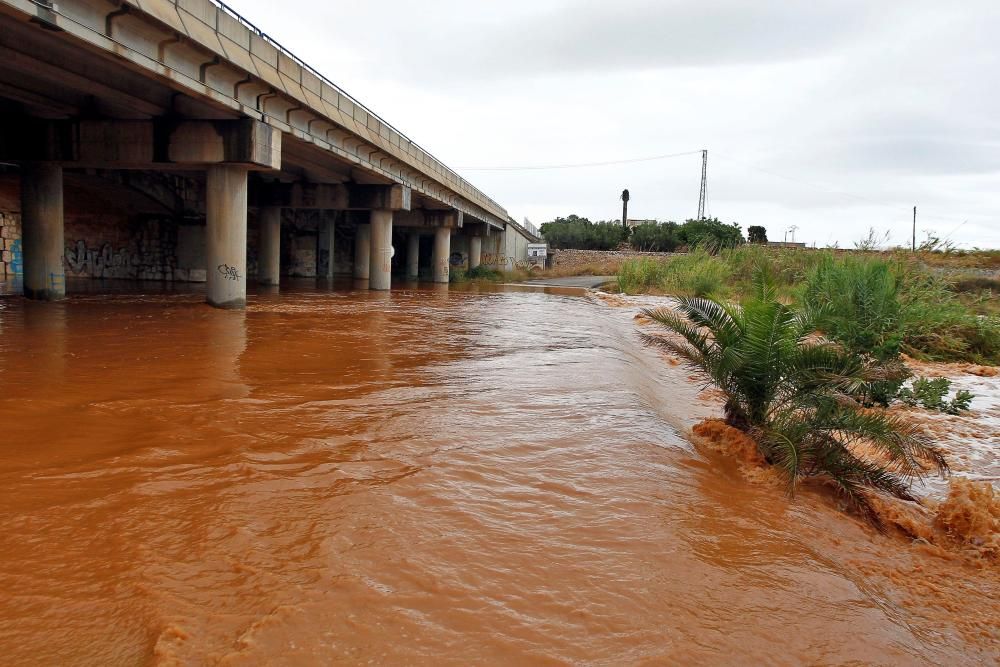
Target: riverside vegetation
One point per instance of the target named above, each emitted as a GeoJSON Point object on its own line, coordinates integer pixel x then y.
{"type": "Point", "coordinates": [807, 348]}
{"type": "Point", "coordinates": [794, 394]}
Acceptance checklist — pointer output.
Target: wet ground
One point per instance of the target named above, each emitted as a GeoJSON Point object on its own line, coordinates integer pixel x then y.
{"type": "Point", "coordinates": [427, 476]}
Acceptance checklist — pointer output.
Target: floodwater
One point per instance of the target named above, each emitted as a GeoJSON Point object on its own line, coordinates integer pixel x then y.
{"type": "Point", "coordinates": [447, 477]}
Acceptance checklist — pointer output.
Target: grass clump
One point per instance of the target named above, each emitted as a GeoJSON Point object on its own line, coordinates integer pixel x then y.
{"type": "Point", "coordinates": [636, 276]}
{"type": "Point", "coordinates": [695, 274]}
{"type": "Point", "coordinates": [792, 394]}
{"type": "Point", "coordinates": [874, 304]}
{"type": "Point", "coordinates": [483, 272]}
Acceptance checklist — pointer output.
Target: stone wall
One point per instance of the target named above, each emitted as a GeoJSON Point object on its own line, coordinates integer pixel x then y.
{"type": "Point", "coordinates": [608, 260]}
{"type": "Point", "coordinates": [10, 245]}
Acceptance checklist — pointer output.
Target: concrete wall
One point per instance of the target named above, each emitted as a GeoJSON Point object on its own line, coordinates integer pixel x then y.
{"type": "Point", "coordinates": [515, 248]}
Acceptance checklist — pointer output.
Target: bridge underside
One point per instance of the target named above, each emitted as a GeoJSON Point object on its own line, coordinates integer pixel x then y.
{"type": "Point", "coordinates": [109, 171]}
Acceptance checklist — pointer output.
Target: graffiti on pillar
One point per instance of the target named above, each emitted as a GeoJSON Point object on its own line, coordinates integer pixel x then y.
{"type": "Point", "coordinates": [228, 272]}
{"type": "Point", "coordinates": [456, 259]}
{"type": "Point", "coordinates": [16, 261]}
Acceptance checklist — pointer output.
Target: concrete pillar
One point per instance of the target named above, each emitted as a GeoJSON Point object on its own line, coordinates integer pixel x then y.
{"type": "Point", "coordinates": [442, 253]}
{"type": "Point", "coordinates": [226, 236]}
{"type": "Point", "coordinates": [269, 253]}
{"type": "Point", "coordinates": [475, 251]}
{"type": "Point", "coordinates": [42, 231]}
{"type": "Point", "coordinates": [380, 271]}
{"type": "Point", "coordinates": [413, 256]}
{"type": "Point", "coordinates": [362, 251]}
{"type": "Point", "coordinates": [331, 226]}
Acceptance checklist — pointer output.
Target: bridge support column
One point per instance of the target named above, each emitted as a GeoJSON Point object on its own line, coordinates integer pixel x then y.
{"type": "Point", "coordinates": [269, 255]}
{"type": "Point", "coordinates": [331, 226]}
{"type": "Point", "coordinates": [226, 236]}
{"type": "Point", "coordinates": [475, 251]}
{"type": "Point", "coordinates": [442, 253]}
{"type": "Point", "coordinates": [362, 251]}
{"type": "Point", "coordinates": [42, 231]}
{"type": "Point", "coordinates": [380, 265]}
{"type": "Point", "coordinates": [413, 256]}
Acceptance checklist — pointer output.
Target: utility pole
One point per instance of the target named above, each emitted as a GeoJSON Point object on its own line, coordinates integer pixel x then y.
{"type": "Point", "coordinates": [914, 229]}
{"type": "Point", "coordinates": [704, 185]}
{"type": "Point", "coordinates": [625, 197]}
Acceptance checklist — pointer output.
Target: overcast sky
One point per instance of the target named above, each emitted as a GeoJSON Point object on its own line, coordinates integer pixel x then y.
{"type": "Point", "coordinates": [834, 116]}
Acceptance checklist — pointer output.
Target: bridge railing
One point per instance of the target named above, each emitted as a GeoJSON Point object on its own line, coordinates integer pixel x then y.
{"type": "Point", "coordinates": [260, 33]}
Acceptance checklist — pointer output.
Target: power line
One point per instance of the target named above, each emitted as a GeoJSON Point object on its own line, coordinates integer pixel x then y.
{"type": "Point", "coordinates": [582, 165]}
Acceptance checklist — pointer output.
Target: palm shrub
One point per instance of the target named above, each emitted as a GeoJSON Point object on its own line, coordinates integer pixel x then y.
{"type": "Point", "coordinates": [792, 393]}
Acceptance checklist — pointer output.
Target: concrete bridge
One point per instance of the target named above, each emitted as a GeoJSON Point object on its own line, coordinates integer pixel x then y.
{"type": "Point", "coordinates": [172, 140]}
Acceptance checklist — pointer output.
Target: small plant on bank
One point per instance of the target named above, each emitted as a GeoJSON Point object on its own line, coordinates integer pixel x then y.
{"type": "Point", "coordinates": [932, 394]}
{"type": "Point", "coordinates": [793, 394]}
{"type": "Point", "coordinates": [483, 272]}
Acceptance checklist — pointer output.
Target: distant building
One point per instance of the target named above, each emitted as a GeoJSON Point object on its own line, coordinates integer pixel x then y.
{"type": "Point", "coordinates": [633, 223]}
{"type": "Point", "coordinates": [537, 254]}
{"type": "Point", "coordinates": [785, 244]}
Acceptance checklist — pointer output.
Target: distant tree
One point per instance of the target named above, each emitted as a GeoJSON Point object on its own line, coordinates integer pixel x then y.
{"type": "Point", "coordinates": [655, 237]}
{"type": "Point", "coordinates": [710, 233]}
{"type": "Point", "coordinates": [582, 234]}
{"type": "Point", "coordinates": [757, 234]}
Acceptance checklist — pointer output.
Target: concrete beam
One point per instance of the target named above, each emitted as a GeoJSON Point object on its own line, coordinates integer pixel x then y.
{"type": "Point", "coordinates": [245, 141]}
{"type": "Point", "coordinates": [333, 196]}
{"type": "Point", "coordinates": [450, 219]}
{"type": "Point", "coordinates": [144, 144]}
{"type": "Point", "coordinates": [389, 197]}
{"type": "Point", "coordinates": [429, 218]}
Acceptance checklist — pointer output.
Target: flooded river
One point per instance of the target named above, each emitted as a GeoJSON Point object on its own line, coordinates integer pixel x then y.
{"type": "Point", "coordinates": [477, 476]}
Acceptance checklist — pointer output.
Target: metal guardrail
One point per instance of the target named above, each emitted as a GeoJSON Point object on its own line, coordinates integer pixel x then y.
{"type": "Point", "coordinates": [260, 33]}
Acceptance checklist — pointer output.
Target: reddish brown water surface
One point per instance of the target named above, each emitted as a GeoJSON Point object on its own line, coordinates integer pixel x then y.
{"type": "Point", "coordinates": [418, 477]}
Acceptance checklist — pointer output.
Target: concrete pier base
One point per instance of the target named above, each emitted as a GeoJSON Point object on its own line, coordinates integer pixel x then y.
{"type": "Point", "coordinates": [475, 251]}
{"type": "Point", "coordinates": [226, 236]}
{"type": "Point", "coordinates": [269, 254]}
{"type": "Point", "coordinates": [413, 256]}
{"type": "Point", "coordinates": [442, 253]}
{"type": "Point", "coordinates": [362, 252]}
{"type": "Point", "coordinates": [42, 231]}
{"type": "Point", "coordinates": [380, 264]}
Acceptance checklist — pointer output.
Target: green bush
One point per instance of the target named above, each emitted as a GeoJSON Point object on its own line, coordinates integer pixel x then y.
{"type": "Point", "coordinates": [711, 234]}
{"type": "Point", "coordinates": [656, 237]}
{"type": "Point", "coordinates": [579, 233]}
{"type": "Point", "coordinates": [933, 394]}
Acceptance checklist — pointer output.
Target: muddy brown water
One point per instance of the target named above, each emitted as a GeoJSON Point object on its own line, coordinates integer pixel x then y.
{"type": "Point", "coordinates": [478, 476]}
